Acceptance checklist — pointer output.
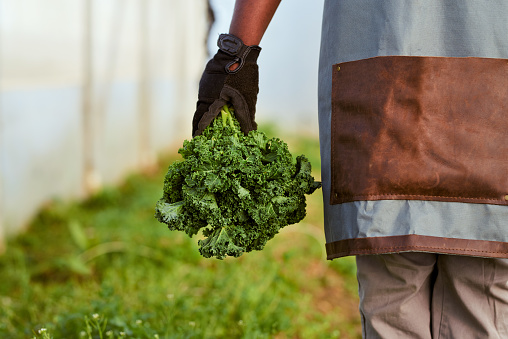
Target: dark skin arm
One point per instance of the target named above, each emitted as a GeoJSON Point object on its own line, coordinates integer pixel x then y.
{"type": "Point", "coordinates": [251, 19]}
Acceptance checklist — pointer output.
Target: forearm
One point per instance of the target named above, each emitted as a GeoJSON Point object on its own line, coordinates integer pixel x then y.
{"type": "Point", "coordinates": [251, 19]}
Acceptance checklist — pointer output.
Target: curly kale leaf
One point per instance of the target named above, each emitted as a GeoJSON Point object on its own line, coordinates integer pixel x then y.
{"type": "Point", "coordinates": [219, 244]}
{"type": "Point", "coordinates": [238, 190]}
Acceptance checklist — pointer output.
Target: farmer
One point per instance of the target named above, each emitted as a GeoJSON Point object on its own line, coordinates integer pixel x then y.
{"type": "Point", "coordinates": [413, 106]}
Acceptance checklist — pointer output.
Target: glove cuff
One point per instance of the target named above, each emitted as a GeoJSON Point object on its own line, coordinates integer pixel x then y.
{"type": "Point", "coordinates": [234, 46]}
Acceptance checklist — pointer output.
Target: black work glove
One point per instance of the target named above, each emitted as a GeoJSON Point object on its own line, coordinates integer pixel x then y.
{"type": "Point", "coordinates": [219, 85]}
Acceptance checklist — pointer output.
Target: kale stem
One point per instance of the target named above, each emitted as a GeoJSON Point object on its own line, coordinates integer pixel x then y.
{"type": "Point", "coordinates": [224, 115]}
{"type": "Point", "coordinates": [230, 116]}
{"type": "Point", "coordinates": [227, 116]}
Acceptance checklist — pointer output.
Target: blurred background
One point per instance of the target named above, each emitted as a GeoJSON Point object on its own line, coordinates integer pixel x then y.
{"type": "Point", "coordinates": [96, 97]}
{"type": "Point", "coordinates": [92, 90]}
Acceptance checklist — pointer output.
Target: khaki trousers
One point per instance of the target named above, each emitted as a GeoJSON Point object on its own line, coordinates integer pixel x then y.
{"type": "Point", "coordinates": [424, 295]}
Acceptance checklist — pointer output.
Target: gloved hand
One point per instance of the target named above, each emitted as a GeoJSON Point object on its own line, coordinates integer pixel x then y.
{"type": "Point", "coordinates": [220, 85]}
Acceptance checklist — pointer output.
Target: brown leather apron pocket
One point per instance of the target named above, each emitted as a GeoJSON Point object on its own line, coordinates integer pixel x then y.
{"type": "Point", "coordinates": [420, 128]}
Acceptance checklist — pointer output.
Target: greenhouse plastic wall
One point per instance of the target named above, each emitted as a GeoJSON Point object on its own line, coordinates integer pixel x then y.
{"type": "Point", "coordinates": [89, 91]}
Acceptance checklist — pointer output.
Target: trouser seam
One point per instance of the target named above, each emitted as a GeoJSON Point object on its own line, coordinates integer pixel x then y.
{"type": "Point", "coordinates": [362, 316]}
{"type": "Point", "coordinates": [442, 293]}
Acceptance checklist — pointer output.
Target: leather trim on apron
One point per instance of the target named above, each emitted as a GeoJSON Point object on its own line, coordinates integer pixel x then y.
{"type": "Point", "coordinates": [420, 128]}
{"type": "Point", "coordinates": [416, 243]}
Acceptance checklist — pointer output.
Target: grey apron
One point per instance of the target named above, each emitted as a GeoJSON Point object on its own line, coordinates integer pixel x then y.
{"type": "Point", "coordinates": [392, 181]}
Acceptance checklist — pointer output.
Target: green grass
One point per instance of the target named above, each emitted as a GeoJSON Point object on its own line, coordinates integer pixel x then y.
{"type": "Point", "coordinates": [105, 268]}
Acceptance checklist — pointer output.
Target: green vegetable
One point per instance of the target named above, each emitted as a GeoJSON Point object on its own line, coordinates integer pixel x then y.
{"type": "Point", "coordinates": [238, 189]}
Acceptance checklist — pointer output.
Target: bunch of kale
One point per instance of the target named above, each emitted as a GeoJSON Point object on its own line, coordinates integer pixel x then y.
{"type": "Point", "coordinates": [239, 190]}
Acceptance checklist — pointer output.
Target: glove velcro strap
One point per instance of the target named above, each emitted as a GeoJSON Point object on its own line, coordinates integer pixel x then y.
{"type": "Point", "coordinates": [235, 47]}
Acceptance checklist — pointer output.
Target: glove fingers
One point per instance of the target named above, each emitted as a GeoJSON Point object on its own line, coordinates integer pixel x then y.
{"type": "Point", "coordinates": [210, 86]}
{"type": "Point", "coordinates": [244, 113]}
{"type": "Point", "coordinates": [208, 116]}
{"type": "Point", "coordinates": [201, 108]}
